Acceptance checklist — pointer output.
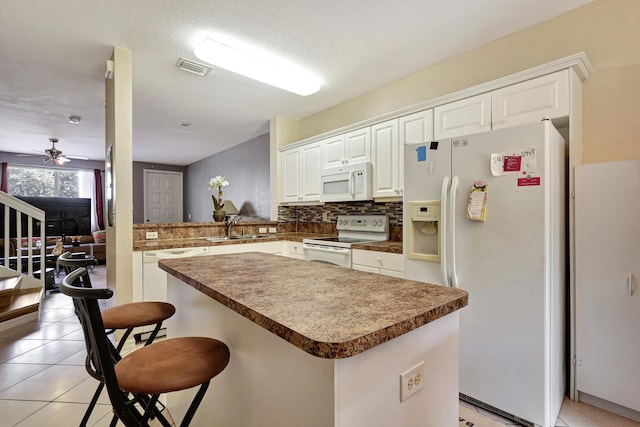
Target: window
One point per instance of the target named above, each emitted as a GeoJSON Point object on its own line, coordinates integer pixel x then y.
{"type": "Point", "coordinates": [49, 182]}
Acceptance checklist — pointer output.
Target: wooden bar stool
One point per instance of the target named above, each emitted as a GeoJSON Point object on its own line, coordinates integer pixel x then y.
{"type": "Point", "coordinates": [136, 381]}
{"type": "Point", "coordinates": [125, 317]}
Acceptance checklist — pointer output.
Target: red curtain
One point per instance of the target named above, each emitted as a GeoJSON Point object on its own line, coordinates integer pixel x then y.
{"type": "Point", "coordinates": [97, 174]}
{"type": "Point", "coordinates": [4, 181]}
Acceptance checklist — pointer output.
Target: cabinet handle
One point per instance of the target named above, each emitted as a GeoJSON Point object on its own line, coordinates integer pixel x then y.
{"type": "Point", "coordinates": [630, 283]}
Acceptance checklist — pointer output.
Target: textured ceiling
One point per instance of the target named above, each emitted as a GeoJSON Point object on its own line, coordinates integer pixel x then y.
{"type": "Point", "coordinates": [54, 54]}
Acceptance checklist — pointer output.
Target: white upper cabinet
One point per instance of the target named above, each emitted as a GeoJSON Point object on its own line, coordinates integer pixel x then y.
{"type": "Point", "coordinates": [352, 147]}
{"type": "Point", "coordinates": [290, 175]}
{"type": "Point", "coordinates": [301, 174]}
{"type": "Point", "coordinates": [467, 116]}
{"type": "Point", "coordinates": [416, 128]}
{"type": "Point", "coordinates": [333, 151]}
{"type": "Point", "coordinates": [387, 160]}
{"type": "Point", "coordinates": [532, 100]}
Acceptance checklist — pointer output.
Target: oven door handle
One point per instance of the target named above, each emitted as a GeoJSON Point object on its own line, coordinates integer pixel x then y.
{"type": "Point", "coordinates": [325, 249]}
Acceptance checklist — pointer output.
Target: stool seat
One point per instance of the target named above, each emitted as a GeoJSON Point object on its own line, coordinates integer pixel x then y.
{"type": "Point", "coordinates": [172, 365]}
{"type": "Point", "coordinates": [136, 314]}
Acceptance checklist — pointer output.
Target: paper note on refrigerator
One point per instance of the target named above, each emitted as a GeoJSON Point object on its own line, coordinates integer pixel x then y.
{"type": "Point", "coordinates": [477, 204]}
{"type": "Point", "coordinates": [514, 161]}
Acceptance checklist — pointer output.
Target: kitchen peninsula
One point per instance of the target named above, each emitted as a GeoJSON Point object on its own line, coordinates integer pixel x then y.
{"type": "Point", "coordinates": [316, 345]}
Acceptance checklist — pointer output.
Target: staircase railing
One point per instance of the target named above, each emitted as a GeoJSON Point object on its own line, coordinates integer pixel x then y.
{"type": "Point", "coordinates": [24, 210]}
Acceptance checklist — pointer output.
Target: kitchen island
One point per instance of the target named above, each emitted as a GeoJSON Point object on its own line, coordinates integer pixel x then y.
{"type": "Point", "coordinates": [316, 345]}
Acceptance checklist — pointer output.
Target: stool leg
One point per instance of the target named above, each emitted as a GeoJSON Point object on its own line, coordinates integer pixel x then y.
{"type": "Point", "coordinates": [149, 409]}
{"type": "Point", "coordinates": [92, 405]}
{"type": "Point", "coordinates": [124, 339]}
{"type": "Point", "coordinates": [194, 405]}
{"type": "Point", "coordinates": [154, 334]}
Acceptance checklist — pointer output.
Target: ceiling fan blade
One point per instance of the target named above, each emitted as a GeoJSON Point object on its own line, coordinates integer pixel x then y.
{"type": "Point", "coordinates": [77, 157]}
{"type": "Point", "coordinates": [28, 155]}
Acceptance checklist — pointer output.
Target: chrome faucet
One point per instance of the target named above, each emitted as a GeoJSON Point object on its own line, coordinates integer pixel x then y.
{"type": "Point", "coordinates": [231, 223]}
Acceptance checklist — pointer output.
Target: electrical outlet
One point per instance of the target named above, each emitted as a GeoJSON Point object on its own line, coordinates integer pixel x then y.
{"type": "Point", "coordinates": [151, 235]}
{"type": "Point", "coordinates": [325, 217]}
{"type": "Point", "coordinates": [411, 381]}
{"type": "Point", "coordinates": [272, 229]}
{"type": "Point", "coordinates": [262, 230]}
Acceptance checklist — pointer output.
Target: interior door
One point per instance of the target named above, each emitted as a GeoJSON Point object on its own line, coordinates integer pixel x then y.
{"type": "Point", "coordinates": [608, 281]}
{"type": "Point", "coordinates": [162, 196]}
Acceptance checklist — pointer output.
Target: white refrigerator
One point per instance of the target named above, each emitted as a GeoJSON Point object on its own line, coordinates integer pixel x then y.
{"type": "Point", "coordinates": [500, 233]}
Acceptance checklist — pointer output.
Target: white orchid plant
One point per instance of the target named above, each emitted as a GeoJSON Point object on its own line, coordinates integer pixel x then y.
{"type": "Point", "coordinates": [216, 185]}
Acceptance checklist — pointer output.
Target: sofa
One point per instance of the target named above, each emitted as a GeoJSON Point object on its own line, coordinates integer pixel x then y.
{"type": "Point", "coordinates": [95, 244]}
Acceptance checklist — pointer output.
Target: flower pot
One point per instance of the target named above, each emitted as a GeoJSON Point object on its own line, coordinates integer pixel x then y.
{"type": "Point", "coordinates": [219, 215]}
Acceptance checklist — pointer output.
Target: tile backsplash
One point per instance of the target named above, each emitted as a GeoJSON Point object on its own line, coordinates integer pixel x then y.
{"type": "Point", "coordinates": [329, 211]}
{"type": "Point", "coordinates": [317, 218]}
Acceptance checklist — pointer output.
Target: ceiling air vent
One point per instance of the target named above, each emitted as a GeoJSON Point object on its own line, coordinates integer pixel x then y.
{"type": "Point", "coordinates": [193, 67]}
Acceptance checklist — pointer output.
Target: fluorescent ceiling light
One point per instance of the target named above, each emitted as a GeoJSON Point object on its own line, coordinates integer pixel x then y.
{"type": "Point", "coordinates": [255, 68]}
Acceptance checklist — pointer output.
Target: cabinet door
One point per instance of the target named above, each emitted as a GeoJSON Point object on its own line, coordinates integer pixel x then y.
{"type": "Point", "coordinates": [533, 100]}
{"type": "Point", "coordinates": [358, 145]}
{"type": "Point", "coordinates": [387, 161]}
{"type": "Point", "coordinates": [294, 250]}
{"type": "Point", "coordinates": [464, 117]}
{"type": "Point", "coordinates": [310, 172]}
{"type": "Point", "coordinates": [334, 152]}
{"type": "Point", "coordinates": [416, 128]}
{"type": "Point", "coordinates": [290, 175]}
{"type": "Point", "coordinates": [608, 281]}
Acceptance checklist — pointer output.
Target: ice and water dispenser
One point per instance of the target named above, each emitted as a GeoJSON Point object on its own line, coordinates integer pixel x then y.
{"type": "Point", "coordinates": [423, 237]}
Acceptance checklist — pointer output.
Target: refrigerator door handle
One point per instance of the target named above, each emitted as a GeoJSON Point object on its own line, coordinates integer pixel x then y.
{"type": "Point", "coordinates": [443, 233]}
{"type": "Point", "coordinates": [452, 235]}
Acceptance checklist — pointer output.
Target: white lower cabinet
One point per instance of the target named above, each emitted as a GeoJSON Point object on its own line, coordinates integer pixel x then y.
{"type": "Point", "coordinates": [293, 250]}
{"type": "Point", "coordinates": [273, 247]}
{"type": "Point", "coordinates": [150, 282]}
{"type": "Point", "coordinates": [378, 262]}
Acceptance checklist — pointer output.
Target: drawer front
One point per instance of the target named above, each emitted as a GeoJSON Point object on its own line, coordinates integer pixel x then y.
{"type": "Point", "coordinates": [376, 259]}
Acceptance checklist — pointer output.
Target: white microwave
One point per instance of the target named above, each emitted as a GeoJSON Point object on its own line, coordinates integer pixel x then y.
{"type": "Point", "coordinates": [346, 183]}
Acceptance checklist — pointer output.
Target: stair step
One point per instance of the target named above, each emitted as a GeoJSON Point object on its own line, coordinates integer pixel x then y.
{"type": "Point", "coordinates": [24, 302]}
{"type": "Point", "coordinates": [8, 287]}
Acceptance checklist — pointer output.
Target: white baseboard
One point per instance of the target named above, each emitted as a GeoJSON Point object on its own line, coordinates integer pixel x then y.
{"type": "Point", "coordinates": [609, 406]}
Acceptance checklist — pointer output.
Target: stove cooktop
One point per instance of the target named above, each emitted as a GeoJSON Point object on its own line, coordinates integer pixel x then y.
{"type": "Point", "coordinates": [342, 239]}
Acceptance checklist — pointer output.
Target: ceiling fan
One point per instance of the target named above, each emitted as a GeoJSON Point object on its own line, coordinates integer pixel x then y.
{"type": "Point", "coordinates": [55, 156]}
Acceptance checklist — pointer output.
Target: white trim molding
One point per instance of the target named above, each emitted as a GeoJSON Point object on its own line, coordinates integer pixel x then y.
{"type": "Point", "coordinates": [578, 62]}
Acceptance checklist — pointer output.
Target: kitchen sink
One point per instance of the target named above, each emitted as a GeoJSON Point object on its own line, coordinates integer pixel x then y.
{"type": "Point", "coordinates": [248, 237]}
{"type": "Point", "coordinates": [225, 238]}
{"type": "Point", "coordinates": [215, 239]}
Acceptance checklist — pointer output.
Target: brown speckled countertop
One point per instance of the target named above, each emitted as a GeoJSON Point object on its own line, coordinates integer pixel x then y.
{"type": "Point", "coordinates": [157, 244]}
{"type": "Point", "coordinates": [327, 311]}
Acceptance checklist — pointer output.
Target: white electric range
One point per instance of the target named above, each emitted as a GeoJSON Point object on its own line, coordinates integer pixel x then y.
{"type": "Point", "coordinates": [351, 229]}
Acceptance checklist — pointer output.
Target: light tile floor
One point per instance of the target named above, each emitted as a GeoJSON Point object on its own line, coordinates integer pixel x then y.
{"type": "Point", "coordinates": [43, 381]}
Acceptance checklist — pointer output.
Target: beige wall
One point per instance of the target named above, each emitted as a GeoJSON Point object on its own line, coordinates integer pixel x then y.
{"type": "Point", "coordinates": [118, 134]}
{"type": "Point", "coordinates": [607, 30]}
